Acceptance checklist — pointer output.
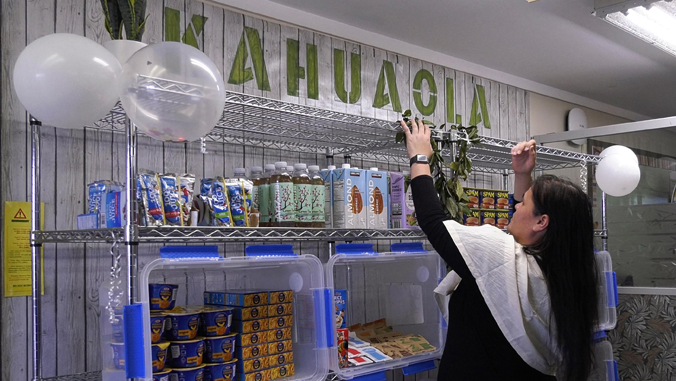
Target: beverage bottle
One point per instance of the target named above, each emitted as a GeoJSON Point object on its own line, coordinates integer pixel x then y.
{"type": "Point", "coordinates": [318, 197]}
{"type": "Point", "coordinates": [281, 191]}
{"type": "Point", "coordinates": [302, 194]}
{"type": "Point", "coordinates": [265, 202]}
{"type": "Point", "coordinates": [256, 179]}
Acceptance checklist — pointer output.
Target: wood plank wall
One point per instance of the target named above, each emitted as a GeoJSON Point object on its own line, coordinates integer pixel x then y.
{"type": "Point", "coordinates": [73, 158]}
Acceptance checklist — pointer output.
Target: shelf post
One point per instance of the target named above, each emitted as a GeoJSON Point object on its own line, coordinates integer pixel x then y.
{"type": "Point", "coordinates": [505, 179]}
{"type": "Point", "coordinates": [329, 156]}
{"type": "Point", "coordinates": [130, 227]}
{"type": "Point", "coordinates": [36, 250]}
{"type": "Point", "coordinates": [604, 222]}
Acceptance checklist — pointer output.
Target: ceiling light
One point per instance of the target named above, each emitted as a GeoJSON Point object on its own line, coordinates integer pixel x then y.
{"type": "Point", "coordinates": [652, 21]}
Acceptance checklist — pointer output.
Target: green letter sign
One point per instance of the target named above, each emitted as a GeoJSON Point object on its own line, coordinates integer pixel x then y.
{"type": "Point", "coordinates": [295, 72]}
{"type": "Point", "coordinates": [339, 76]}
{"type": "Point", "coordinates": [241, 74]}
{"type": "Point", "coordinates": [479, 102]}
{"type": "Point", "coordinates": [381, 98]}
{"type": "Point", "coordinates": [421, 75]}
{"type": "Point", "coordinates": [172, 28]}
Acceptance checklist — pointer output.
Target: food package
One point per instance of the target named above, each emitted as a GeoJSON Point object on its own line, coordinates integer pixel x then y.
{"type": "Point", "coordinates": [171, 199]}
{"type": "Point", "coordinates": [152, 198]}
{"type": "Point", "coordinates": [187, 194]}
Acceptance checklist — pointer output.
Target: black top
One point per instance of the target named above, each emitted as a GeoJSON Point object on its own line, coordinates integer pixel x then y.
{"type": "Point", "coordinates": [475, 348]}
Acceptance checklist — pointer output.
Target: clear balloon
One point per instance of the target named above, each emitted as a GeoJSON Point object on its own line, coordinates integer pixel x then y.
{"type": "Point", "coordinates": [617, 175]}
{"type": "Point", "coordinates": [66, 80]}
{"type": "Point", "coordinates": [123, 49]}
{"type": "Point", "coordinates": [172, 92]}
{"type": "Point", "coordinates": [619, 150]}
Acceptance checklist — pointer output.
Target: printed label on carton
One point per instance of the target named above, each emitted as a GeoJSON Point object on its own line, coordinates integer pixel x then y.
{"type": "Point", "coordinates": [279, 334]}
{"type": "Point", "coordinates": [502, 200]}
{"type": "Point", "coordinates": [377, 210]}
{"type": "Point", "coordinates": [280, 359]}
{"type": "Point", "coordinates": [280, 322]}
{"type": "Point", "coordinates": [487, 199]}
{"type": "Point", "coordinates": [349, 194]}
{"type": "Point", "coordinates": [253, 365]}
{"type": "Point", "coordinates": [283, 296]}
{"type": "Point", "coordinates": [327, 177]}
{"type": "Point", "coordinates": [280, 309]}
{"type": "Point", "coordinates": [473, 195]}
{"type": "Point", "coordinates": [282, 371]}
{"type": "Point", "coordinates": [502, 219]}
{"type": "Point", "coordinates": [251, 313]}
{"type": "Point", "coordinates": [343, 346]}
{"type": "Point", "coordinates": [246, 299]}
{"type": "Point", "coordinates": [252, 351]}
{"type": "Point", "coordinates": [246, 339]}
{"type": "Point", "coordinates": [279, 347]}
{"type": "Point", "coordinates": [340, 302]}
{"type": "Point", "coordinates": [401, 204]}
{"type": "Point", "coordinates": [116, 210]}
{"type": "Point", "coordinates": [263, 375]}
{"type": "Point", "coordinates": [488, 217]}
{"type": "Point", "coordinates": [250, 326]}
{"type": "Point", "coordinates": [473, 218]}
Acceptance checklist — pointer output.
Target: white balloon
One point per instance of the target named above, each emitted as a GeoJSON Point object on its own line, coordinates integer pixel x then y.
{"type": "Point", "coordinates": [65, 80]}
{"type": "Point", "coordinates": [172, 92]}
{"type": "Point", "coordinates": [619, 150]}
{"type": "Point", "coordinates": [617, 175]}
{"type": "Point", "coordinates": [123, 49]}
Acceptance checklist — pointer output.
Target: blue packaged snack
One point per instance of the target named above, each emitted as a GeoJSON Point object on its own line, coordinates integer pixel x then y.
{"type": "Point", "coordinates": [220, 207]}
{"type": "Point", "coordinates": [238, 205]}
{"type": "Point", "coordinates": [116, 210]}
{"type": "Point", "coordinates": [205, 187]}
{"type": "Point", "coordinates": [171, 199]}
{"type": "Point", "coordinates": [96, 195]}
{"type": "Point", "coordinates": [152, 199]}
{"type": "Point", "coordinates": [187, 183]}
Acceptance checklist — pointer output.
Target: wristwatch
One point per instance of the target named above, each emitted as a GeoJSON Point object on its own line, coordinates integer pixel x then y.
{"type": "Point", "coordinates": [419, 159]}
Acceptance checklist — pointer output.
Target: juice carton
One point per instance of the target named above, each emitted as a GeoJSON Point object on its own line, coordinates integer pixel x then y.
{"type": "Point", "coordinates": [401, 202]}
{"type": "Point", "coordinates": [377, 202]}
{"type": "Point", "coordinates": [349, 207]}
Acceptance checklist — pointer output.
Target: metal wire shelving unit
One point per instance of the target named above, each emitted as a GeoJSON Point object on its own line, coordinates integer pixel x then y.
{"type": "Point", "coordinates": [261, 122]}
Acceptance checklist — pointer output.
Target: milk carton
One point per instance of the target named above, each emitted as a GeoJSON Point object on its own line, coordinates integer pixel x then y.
{"type": "Point", "coordinates": [327, 176]}
{"type": "Point", "coordinates": [402, 210]}
{"type": "Point", "coordinates": [377, 200]}
{"type": "Point", "coordinates": [349, 207]}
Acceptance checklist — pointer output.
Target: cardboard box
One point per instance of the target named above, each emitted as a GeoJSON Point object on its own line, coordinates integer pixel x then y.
{"type": "Point", "coordinates": [349, 198]}
{"type": "Point", "coordinates": [247, 339]}
{"type": "Point", "coordinates": [280, 309]}
{"type": "Point", "coordinates": [402, 210]}
{"type": "Point", "coordinates": [91, 221]}
{"type": "Point", "coordinates": [279, 347]}
{"type": "Point", "coordinates": [473, 195]}
{"type": "Point", "coordinates": [250, 313]}
{"type": "Point", "coordinates": [249, 326]}
{"type": "Point", "coordinates": [340, 303]}
{"type": "Point", "coordinates": [236, 298]}
{"type": "Point", "coordinates": [343, 345]}
{"type": "Point", "coordinates": [252, 365]}
{"type": "Point", "coordinates": [262, 375]}
{"type": "Point", "coordinates": [280, 322]}
{"type": "Point", "coordinates": [252, 351]}
{"type": "Point", "coordinates": [282, 371]}
{"type": "Point", "coordinates": [377, 200]}
{"type": "Point", "coordinates": [116, 210]}
{"type": "Point", "coordinates": [280, 359]}
{"type": "Point", "coordinates": [278, 334]}
{"type": "Point", "coordinates": [281, 296]}
{"type": "Point", "coordinates": [473, 218]}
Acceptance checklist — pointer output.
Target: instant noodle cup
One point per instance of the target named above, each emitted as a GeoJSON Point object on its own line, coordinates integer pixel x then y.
{"type": "Point", "coordinates": [220, 349]}
{"type": "Point", "coordinates": [186, 354]}
{"type": "Point", "coordinates": [188, 374]}
{"type": "Point", "coordinates": [220, 372]}
{"type": "Point", "coordinates": [184, 325]}
{"type": "Point", "coordinates": [118, 355]}
{"type": "Point", "coordinates": [163, 375]}
{"type": "Point", "coordinates": [216, 321]}
{"type": "Point", "coordinates": [157, 324]}
{"type": "Point", "coordinates": [162, 296]}
{"type": "Point", "coordinates": [159, 356]}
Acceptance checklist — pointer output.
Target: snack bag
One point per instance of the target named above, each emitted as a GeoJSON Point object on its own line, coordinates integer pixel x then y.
{"type": "Point", "coordinates": [205, 187]}
{"type": "Point", "coordinates": [220, 206]}
{"type": "Point", "coordinates": [238, 204]}
{"type": "Point", "coordinates": [253, 214]}
{"type": "Point", "coordinates": [152, 198]}
{"type": "Point", "coordinates": [97, 191]}
{"type": "Point", "coordinates": [187, 191]}
{"type": "Point", "coordinates": [171, 200]}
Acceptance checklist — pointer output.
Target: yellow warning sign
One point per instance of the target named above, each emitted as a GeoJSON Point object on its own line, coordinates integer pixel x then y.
{"type": "Point", "coordinates": [17, 257]}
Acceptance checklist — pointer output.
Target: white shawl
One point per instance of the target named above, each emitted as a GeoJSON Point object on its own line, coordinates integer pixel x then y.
{"type": "Point", "coordinates": [513, 287]}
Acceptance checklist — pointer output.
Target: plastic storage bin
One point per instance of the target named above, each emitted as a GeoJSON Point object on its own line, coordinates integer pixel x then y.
{"type": "Point", "coordinates": [396, 286]}
{"type": "Point", "coordinates": [607, 292]}
{"type": "Point", "coordinates": [605, 366]}
{"type": "Point", "coordinates": [302, 274]}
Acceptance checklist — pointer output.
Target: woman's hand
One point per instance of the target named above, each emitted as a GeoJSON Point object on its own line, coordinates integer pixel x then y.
{"type": "Point", "coordinates": [523, 157]}
{"type": "Point", "coordinates": [417, 138]}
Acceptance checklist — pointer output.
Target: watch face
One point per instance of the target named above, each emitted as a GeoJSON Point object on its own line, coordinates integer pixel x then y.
{"type": "Point", "coordinates": [422, 157]}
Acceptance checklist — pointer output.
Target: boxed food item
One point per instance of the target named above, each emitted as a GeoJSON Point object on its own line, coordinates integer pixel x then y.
{"type": "Point", "coordinates": [402, 210]}
{"type": "Point", "coordinates": [473, 218]}
{"type": "Point", "coordinates": [252, 365]}
{"type": "Point", "coordinates": [473, 195]}
{"type": "Point", "coordinates": [236, 298]}
{"type": "Point", "coordinates": [252, 351]}
{"type": "Point", "coordinates": [279, 347]}
{"type": "Point", "coordinates": [96, 194]}
{"type": "Point", "coordinates": [278, 334]}
{"type": "Point", "coordinates": [251, 313]}
{"type": "Point", "coordinates": [116, 210]}
{"type": "Point", "coordinates": [502, 218]}
{"type": "Point", "coordinates": [327, 177]}
{"type": "Point", "coordinates": [280, 309]}
{"type": "Point", "coordinates": [343, 345]}
{"type": "Point", "coordinates": [349, 203]}
{"type": "Point", "coordinates": [250, 326]}
{"type": "Point", "coordinates": [280, 296]}
{"type": "Point", "coordinates": [260, 375]}
{"type": "Point", "coordinates": [488, 217]}
{"type": "Point", "coordinates": [171, 187]}
{"type": "Point", "coordinates": [247, 339]}
{"type": "Point", "coordinates": [377, 202]}
{"type": "Point", "coordinates": [340, 302]}
{"type": "Point", "coordinates": [280, 359]}
{"type": "Point", "coordinates": [91, 221]}
{"type": "Point", "coordinates": [282, 371]}
{"type": "Point", "coordinates": [487, 199]}
{"type": "Point", "coordinates": [502, 200]}
{"type": "Point", "coordinates": [280, 322]}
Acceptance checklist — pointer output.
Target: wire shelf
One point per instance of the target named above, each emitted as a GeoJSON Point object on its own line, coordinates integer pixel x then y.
{"type": "Point", "coordinates": [219, 234]}
{"type": "Point", "coordinates": [89, 376]}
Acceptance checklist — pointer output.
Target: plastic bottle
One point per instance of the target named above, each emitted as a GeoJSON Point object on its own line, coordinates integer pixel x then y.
{"type": "Point", "coordinates": [282, 213]}
{"type": "Point", "coordinates": [256, 178]}
{"type": "Point", "coordinates": [264, 195]}
{"type": "Point", "coordinates": [302, 194]}
{"type": "Point", "coordinates": [240, 173]}
{"type": "Point", "coordinates": [318, 197]}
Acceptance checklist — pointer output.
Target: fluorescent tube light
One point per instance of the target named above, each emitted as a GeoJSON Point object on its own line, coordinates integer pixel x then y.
{"type": "Point", "coordinates": [651, 21]}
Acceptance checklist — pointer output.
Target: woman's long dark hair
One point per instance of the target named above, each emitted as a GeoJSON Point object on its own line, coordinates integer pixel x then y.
{"type": "Point", "coordinates": [566, 256]}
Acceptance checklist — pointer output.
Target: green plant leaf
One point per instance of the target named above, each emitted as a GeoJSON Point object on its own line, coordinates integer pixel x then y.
{"type": "Point", "coordinates": [406, 114]}
{"type": "Point", "coordinates": [465, 209]}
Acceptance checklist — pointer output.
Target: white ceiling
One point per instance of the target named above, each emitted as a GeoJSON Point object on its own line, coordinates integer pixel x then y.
{"type": "Point", "coordinates": [558, 43]}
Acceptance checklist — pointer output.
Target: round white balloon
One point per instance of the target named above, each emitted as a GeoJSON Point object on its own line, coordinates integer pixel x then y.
{"type": "Point", "coordinates": [65, 80]}
{"type": "Point", "coordinates": [172, 92]}
{"type": "Point", "coordinates": [617, 175]}
{"type": "Point", "coordinates": [619, 150]}
{"type": "Point", "coordinates": [123, 49]}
